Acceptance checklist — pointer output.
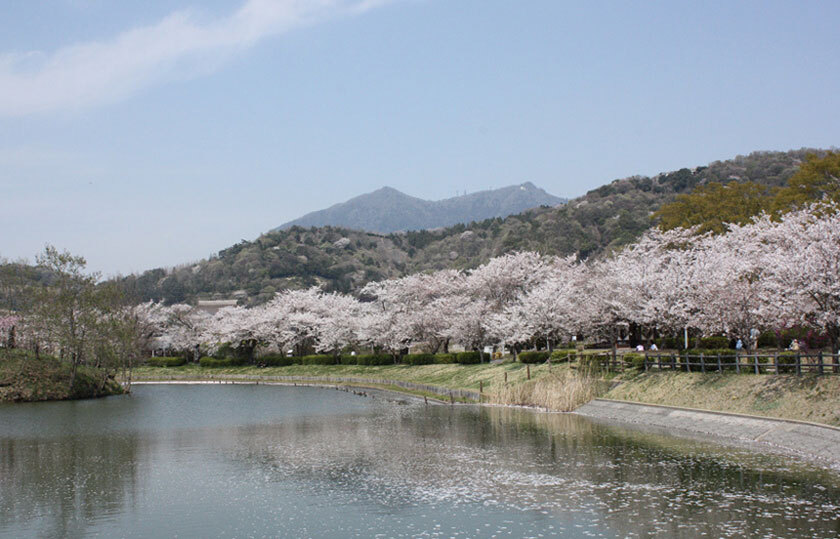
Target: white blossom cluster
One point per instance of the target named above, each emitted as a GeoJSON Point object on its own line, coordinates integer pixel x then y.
{"type": "Point", "coordinates": [764, 275]}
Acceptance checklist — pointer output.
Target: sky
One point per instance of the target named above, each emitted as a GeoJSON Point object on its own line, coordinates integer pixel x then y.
{"type": "Point", "coordinates": [152, 134]}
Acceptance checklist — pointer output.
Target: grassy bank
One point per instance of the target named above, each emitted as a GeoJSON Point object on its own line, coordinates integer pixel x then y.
{"type": "Point", "coordinates": [450, 376]}
{"type": "Point", "coordinates": [23, 378]}
{"type": "Point", "coordinates": [564, 387]}
{"type": "Point", "coordinates": [805, 398]}
{"type": "Point", "coordinates": [556, 388]}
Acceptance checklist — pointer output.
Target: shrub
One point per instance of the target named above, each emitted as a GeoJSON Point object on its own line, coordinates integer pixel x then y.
{"type": "Point", "coordinates": [321, 359]}
{"type": "Point", "coordinates": [533, 357]}
{"type": "Point", "coordinates": [563, 355]}
{"type": "Point", "coordinates": [671, 343]}
{"type": "Point", "coordinates": [278, 360]}
{"type": "Point", "coordinates": [637, 361]}
{"type": "Point", "coordinates": [418, 359]}
{"type": "Point", "coordinates": [224, 351]}
{"type": "Point", "coordinates": [717, 342]}
{"type": "Point", "coordinates": [710, 356]}
{"type": "Point", "coordinates": [166, 361]}
{"type": "Point", "coordinates": [468, 358]}
{"type": "Point", "coordinates": [375, 359]}
{"type": "Point", "coordinates": [347, 360]}
{"type": "Point", "coordinates": [768, 339]}
{"type": "Point", "coordinates": [443, 359]}
{"type": "Point", "coordinates": [213, 363]}
{"type": "Point", "coordinates": [787, 362]}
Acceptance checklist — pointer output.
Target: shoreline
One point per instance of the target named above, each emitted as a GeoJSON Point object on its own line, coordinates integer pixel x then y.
{"type": "Point", "coordinates": [812, 442]}
{"type": "Point", "coordinates": [339, 387]}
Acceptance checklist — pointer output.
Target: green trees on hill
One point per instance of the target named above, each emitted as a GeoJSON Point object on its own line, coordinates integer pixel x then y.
{"type": "Point", "coordinates": [817, 179]}
{"type": "Point", "coordinates": [711, 205]}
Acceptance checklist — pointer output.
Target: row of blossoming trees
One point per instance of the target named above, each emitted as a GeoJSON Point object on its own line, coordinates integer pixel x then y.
{"type": "Point", "coordinates": [767, 275]}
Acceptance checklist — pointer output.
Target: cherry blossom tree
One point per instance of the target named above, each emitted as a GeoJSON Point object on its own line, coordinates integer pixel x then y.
{"type": "Point", "coordinates": [548, 309]}
{"type": "Point", "coordinates": [803, 263]}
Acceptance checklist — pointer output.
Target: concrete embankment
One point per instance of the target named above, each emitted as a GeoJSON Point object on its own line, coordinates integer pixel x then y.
{"type": "Point", "coordinates": [792, 437]}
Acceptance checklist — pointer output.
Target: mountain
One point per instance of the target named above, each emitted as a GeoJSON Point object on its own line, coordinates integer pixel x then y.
{"type": "Point", "coordinates": [345, 259]}
{"type": "Point", "coordinates": [387, 210]}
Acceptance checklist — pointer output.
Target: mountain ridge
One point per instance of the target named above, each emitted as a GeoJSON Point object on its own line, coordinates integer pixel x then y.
{"type": "Point", "coordinates": [387, 210]}
{"type": "Point", "coordinates": [341, 259]}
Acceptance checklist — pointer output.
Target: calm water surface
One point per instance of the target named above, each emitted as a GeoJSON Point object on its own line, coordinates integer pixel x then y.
{"type": "Point", "coordinates": [245, 461]}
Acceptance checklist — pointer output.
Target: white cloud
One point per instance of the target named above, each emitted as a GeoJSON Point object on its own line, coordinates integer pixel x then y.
{"type": "Point", "coordinates": [89, 74]}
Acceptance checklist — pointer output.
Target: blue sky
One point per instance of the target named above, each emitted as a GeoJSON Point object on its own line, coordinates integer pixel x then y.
{"type": "Point", "coordinates": [152, 134]}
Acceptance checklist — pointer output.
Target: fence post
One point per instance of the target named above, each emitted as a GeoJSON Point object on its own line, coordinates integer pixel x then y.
{"type": "Point", "coordinates": [776, 361]}
{"type": "Point", "coordinates": [480, 387]}
{"type": "Point", "coordinates": [673, 361]}
{"type": "Point", "coordinates": [646, 361]}
{"type": "Point", "coordinates": [755, 362]}
{"type": "Point", "coordinates": [820, 362]}
{"type": "Point", "coordinates": [528, 370]}
{"type": "Point", "coordinates": [798, 364]}
{"type": "Point", "coordinates": [702, 363]}
{"type": "Point", "coordinates": [659, 359]}
{"type": "Point", "coordinates": [687, 361]}
{"type": "Point", "coordinates": [737, 362]}
{"type": "Point", "coordinates": [505, 377]}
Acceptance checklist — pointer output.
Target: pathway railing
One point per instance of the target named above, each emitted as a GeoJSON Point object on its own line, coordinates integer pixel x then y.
{"type": "Point", "coordinates": [752, 363]}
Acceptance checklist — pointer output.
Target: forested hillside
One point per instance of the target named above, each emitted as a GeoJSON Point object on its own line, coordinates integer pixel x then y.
{"type": "Point", "coordinates": [340, 259]}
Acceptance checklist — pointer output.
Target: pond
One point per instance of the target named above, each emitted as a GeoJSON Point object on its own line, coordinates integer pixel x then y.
{"type": "Point", "coordinates": [256, 460]}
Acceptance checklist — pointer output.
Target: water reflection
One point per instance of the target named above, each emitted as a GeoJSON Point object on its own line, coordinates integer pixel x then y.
{"type": "Point", "coordinates": [58, 485]}
{"type": "Point", "coordinates": [298, 461]}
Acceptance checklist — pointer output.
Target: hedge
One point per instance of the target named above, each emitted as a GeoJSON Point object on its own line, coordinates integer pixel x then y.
{"type": "Point", "coordinates": [419, 359]}
{"type": "Point", "coordinates": [533, 357]}
{"type": "Point", "coordinates": [278, 360]}
{"type": "Point", "coordinates": [322, 359]}
{"type": "Point", "coordinates": [347, 360]}
{"type": "Point", "coordinates": [563, 355]}
{"type": "Point", "coordinates": [166, 361]}
{"type": "Point", "coordinates": [468, 358]}
{"type": "Point", "coordinates": [373, 359]}
{"type": "Point", "coordinates": [443, 359]}
{"type": "Point", "coordinates": [213, 363]}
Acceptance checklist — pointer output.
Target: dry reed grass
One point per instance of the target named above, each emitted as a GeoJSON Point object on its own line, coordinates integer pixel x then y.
{"type": "Point", "coordinates": [561, 391]}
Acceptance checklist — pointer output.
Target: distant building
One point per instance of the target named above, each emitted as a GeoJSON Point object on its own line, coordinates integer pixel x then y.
{"type": "Point", "coordinates": [212, 306]}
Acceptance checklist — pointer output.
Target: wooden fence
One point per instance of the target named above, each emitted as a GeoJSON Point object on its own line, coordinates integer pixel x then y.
{"type": "Point", "coordinates": [755, 363]}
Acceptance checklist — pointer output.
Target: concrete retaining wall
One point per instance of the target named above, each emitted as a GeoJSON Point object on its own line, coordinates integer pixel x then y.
{"type": "Point", "coordinates": [794, 437]}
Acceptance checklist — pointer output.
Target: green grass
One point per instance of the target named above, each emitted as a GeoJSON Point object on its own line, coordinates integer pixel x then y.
{"type": "Point", "coordinates": [23, 378]}
{"type": "Point", "coordinates": [450, 376]}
